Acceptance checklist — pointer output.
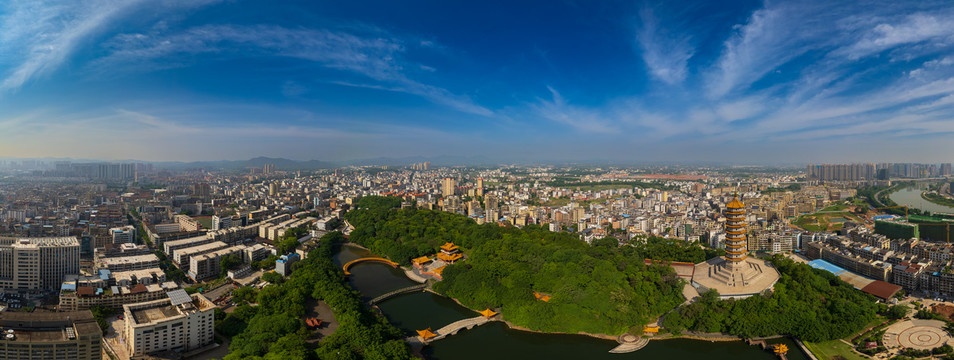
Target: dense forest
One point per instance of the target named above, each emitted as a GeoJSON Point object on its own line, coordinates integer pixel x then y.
{"type": "Point", "coordinates": [601, 288]}
{"type": "Point", "coordinates": [810, 304]}
{"type": "Point", "coordinates": [275, 328]}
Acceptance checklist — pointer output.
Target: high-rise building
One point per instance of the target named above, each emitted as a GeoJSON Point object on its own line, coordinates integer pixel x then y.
{"type": "Point", "coordinates": [946, 169]}
{"type": "Point", "coordinates": [37, 263]}
{"type": "Point", "coordinates": [50, 335]}
{"type": "Point", "coordinates": [448, 186]}
{"type": "Point", "coordinates": [221, 222]}
{"type": "Point", "coordinates": [480, 183]}
{"type": "Point", "coordinates": [272, 189]}
{"type": "Point", "coordinates": [842, 172]}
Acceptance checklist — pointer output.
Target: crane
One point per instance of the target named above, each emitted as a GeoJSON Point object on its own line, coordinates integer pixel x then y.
{"type": "Point", "coordinates": [894, 207]}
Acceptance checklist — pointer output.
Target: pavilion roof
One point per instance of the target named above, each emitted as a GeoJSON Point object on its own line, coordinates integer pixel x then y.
{"type": "Point", "coordinates": [426, 333]}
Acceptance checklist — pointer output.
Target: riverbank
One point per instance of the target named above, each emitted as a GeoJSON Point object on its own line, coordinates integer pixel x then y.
{"type": "Point", "coordinates": [938, 200]}
{"type": "Point", "coordinates": [510, 342]}
{"type": "Point", "coordinates": [521, 328]}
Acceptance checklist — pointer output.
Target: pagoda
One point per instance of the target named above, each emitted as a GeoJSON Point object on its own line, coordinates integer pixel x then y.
{"type": "Point", "coordinates": [735, 275]}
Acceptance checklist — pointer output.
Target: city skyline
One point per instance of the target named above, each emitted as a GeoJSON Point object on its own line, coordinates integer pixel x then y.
{"type": "Point", "coordinates": [802, 81]}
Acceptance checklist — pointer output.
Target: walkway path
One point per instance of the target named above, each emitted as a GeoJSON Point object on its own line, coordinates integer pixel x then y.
{"type": "Point", "coordinates": [459, 325]}
{"type": "Point", "coordinates": [629, 343]}
{"type": "Point", "coordinates": [412, 274]}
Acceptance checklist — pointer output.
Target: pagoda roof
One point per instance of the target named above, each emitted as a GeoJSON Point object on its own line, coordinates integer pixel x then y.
{"type": "Point", "coordinates": [488, 313]}
{"type": "Point", "coordinates": [446, 257]}
{"type": "Point", "coordinates": [422, 259]}
{"type": "Point", "coordinates": [735, 203]}
{"type": "Point", "coordinates": [449, 246]}
{"type": "Point", "coordinates": [426, 333]}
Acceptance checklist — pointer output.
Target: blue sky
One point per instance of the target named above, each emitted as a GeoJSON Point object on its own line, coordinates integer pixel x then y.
{"type": "Point", "coordinates": [736, 81]}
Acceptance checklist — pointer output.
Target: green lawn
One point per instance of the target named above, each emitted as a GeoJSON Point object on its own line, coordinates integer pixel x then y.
{"type": "Point", "coordinates": [824, 221]}
{"type": "Point", "coordinates": [206, 222]}
{"type": "Point", "coordinates": [830, 349]}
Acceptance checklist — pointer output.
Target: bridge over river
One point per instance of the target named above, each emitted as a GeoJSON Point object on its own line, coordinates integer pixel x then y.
{"type": "Point", "coordinates": [450, 329]}
{"type": "Point", "coordinates": [372, 259]}
{"type": "Point", "coordinates": [397, 292]}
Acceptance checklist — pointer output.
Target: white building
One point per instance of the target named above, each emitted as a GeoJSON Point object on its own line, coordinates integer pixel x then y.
{"type": "Point", "coordinates": [180, 323]}
{"type": "Point", "coordinates": [37, 263]}
{"type": "Point", "coordinates": [123, 235]}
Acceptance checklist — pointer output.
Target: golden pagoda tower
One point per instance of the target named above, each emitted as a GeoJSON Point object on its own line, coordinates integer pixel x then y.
{"type": "Point", "coordinates": [736, 275]}
{"type": "Point", "coordinates": [736, 245]}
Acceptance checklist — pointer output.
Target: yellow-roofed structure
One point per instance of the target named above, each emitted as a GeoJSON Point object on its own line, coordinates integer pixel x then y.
{"type": "Point", "coordinates": [488, 313]}
{"type": "Point", "coordinates": [421, 260]}
{"type": "Point", "coordinates": [780, 349]}
{"type": "Point", "coordinates": [450, 257]}
{"type": "Point", "coordinates": [426, 334]}
{"type": "Point", "coordinates": [449, 247]}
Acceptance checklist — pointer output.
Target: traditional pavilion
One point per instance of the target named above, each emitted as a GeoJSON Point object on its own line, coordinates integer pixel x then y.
{"type": "Point", "coordinates": [450, 253]}
{"type": "Point", "coordinates": [488, 313]}
{"type": "Point", "coordinates": [426, 334]}
{"type": "Point", "coordinates": [421, 262]}
{"type": "Point", "coordinates": [735, 275]}
{"type": "Point", "coordinates": [541, 296]}
{"type": "Point", "coordinates": [436, 272]}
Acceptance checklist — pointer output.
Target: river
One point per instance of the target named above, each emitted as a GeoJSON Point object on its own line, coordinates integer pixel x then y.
{"type": "Point", "coordinates": [418, 311]}
{"type": "Point", "coordinates": [911, 196]}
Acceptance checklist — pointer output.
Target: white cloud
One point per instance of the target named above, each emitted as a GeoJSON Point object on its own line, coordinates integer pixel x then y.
{"type": "Point", "coordinates": [377, 56]}
{"type": "Point", "coordinates": [665, 54]}
{"type": "Point", "coordinates": [582, 119]}
{"type": "Point", "coordinates": [46, 34]}
{"type": "Point", "coordinates": [910, 29]}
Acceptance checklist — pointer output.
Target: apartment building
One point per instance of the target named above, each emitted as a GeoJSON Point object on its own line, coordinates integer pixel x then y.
{"type": "Point", "coordinates": [179, 323]}
{"type": "Point", "coordinates": [37, 263]}
{"type": "Point", "coordinates": [207, 265]}
{"type": "Point", "coordinates": [128, 263]}
{"type": "Point", "coordinates": [60, 335]}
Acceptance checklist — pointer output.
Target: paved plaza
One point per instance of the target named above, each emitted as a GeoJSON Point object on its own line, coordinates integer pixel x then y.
{"type": "Point", "coordinates": [917, 334]}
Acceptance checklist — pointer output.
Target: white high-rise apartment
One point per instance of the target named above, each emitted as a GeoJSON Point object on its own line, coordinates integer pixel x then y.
{"type": "Point", "coordinates": [37, 263]}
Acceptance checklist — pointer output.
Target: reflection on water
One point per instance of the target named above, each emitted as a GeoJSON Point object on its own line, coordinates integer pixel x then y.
{"type": "Point", "coordinates": [911, 196]}
{"type": "Point", "coordinates": [419, 311]}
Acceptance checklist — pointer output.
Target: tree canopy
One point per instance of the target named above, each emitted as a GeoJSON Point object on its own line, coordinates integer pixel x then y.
{"type": "Point", "coordinates": [807, 303]}
{"type": "Point", "coordinates": [596, 289]}
{"type": "Point", "coordinates": [275, 328]}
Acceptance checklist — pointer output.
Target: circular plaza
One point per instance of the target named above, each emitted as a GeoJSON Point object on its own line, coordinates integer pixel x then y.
{"type": "Point", "coordinates": [917, 334]}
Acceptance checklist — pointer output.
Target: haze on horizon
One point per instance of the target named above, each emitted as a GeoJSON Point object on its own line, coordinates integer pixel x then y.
{"type": "Point", "coordinates": [772, 81]}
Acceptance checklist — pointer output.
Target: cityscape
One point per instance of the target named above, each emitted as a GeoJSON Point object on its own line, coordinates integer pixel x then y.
{"type": "Point", "coordinates": [599, 180]}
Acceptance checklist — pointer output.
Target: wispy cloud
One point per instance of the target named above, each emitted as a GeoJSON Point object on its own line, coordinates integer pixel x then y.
{"type": "Point", "coordinates": [556, 109]}
{"type": "Point", "coordinates": [666, 54]}
{"type": "Point", "coordinates": [46, 34]}
{"type": "Point", "coordinates": [38, 37]}
{"type": "Point", "coordinates": [377, 56]}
